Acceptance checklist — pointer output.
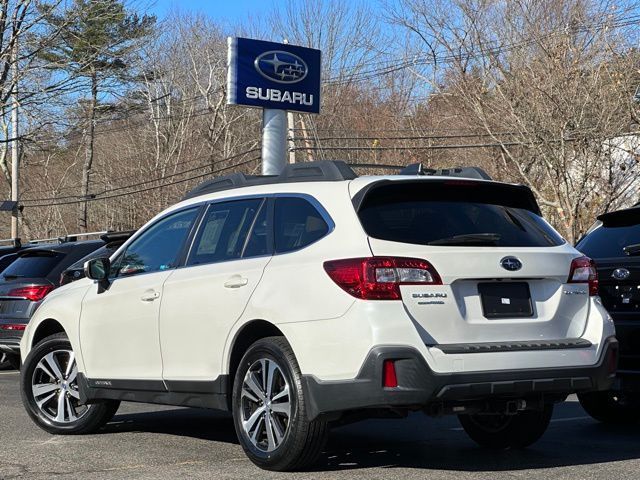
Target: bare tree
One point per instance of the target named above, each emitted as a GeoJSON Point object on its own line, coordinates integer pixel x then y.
{"type": "Point", "coordinates": [549, 82]}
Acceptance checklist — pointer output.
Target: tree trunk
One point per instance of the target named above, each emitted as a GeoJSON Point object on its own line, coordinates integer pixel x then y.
{"type": "Point", "coordinates": [88, 160]}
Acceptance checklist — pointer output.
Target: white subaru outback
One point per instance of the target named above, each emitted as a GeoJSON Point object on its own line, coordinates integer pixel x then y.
{"type": "Point", "coordinates": [317, 297]}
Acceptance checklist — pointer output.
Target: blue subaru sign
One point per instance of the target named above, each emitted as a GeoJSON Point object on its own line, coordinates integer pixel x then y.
{"type": "Point", "coordinates": [273, 75]}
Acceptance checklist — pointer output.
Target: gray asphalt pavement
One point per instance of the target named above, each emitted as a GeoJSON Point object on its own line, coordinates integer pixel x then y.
{"type": "Point", "coordinates": [151, 442]}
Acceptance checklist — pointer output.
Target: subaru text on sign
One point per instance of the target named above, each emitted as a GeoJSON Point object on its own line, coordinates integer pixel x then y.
{"type": "Point", "coordinates": [273, 75]}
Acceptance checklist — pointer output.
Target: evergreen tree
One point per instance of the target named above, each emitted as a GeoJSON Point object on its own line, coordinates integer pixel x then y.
{"type": "Point", "coordinates": [96, 42]}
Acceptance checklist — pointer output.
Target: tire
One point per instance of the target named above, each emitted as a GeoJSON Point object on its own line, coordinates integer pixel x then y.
{"type": "Point", "coordinates": [293, 442]}
{"type": "Point", "coordinates": [48, 385]}
{"type": "Point", "coordinates": [507, 431]}
{"type": "Point", "coordinates": [611, 407]}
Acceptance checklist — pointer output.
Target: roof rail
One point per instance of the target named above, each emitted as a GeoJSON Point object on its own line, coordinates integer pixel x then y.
{"type": "Point", "coordinates": [464, 172]}
{"type": "Point", "coordinates": [325, 170]}
{"type": "Point", "coordinates": [15, 242]}
{"type": "Point", "coordinates": [73, 237]}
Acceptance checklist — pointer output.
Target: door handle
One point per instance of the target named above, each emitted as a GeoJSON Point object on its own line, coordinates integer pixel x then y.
{"type": "Point", "coordinates": [236, 282]}
{"type": "Point", "coordinates": [150, 296]}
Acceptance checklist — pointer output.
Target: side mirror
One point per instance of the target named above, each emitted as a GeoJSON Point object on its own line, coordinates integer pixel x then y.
{"type": "Point", "coordinates": [98, 269]}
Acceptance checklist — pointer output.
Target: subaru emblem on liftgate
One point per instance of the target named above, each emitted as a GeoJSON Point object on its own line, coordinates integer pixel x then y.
{"type": "Point", "coordinates": [621, 274]}
{"type": "Point", "coordinates": [281, 67]}
{"type": "Point", "coordinates": [511, 263]}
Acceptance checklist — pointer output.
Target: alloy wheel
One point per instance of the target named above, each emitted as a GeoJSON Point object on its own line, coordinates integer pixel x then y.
{"type": "Point", "coordinates": [265, 403]}
{"type": "Point", "coordinates": [55, 389]}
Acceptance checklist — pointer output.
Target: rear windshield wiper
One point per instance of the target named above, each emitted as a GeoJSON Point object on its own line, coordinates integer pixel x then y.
{"type": "Point", "coordinates": [469, 239]}
{"type": "Point", "coordinates": [632, 250]}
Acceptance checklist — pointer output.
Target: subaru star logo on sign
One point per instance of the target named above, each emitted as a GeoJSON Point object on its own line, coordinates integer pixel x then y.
{"type": "Point", "coordinates": [281, 67]}
{"type": "Point", "coordinates": [273, 75]}
{"type": "Point", "coordinates": [511, 263]}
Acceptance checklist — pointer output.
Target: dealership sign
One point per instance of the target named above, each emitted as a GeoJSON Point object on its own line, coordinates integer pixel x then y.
{"type": "Point", "coordinates": [273, 75]}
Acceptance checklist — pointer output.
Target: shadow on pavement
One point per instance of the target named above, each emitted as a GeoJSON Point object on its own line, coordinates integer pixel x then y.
{"type": "Point", "coordinates": [187, 422]}
{"type": "Point", "coordinates": [418, 441]}
{"type": "Point", "coordinates": [571, 440]}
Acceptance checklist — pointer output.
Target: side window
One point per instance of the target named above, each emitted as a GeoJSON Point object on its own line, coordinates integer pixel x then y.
{"type": "Point", "coordinates": [158, 247]}
{"type": "Point", "coordinates": [297, 224]}
{"type": "Point", "coordinates": [258, 241]}
{"type": "Point", "coordinates": [223, 232]}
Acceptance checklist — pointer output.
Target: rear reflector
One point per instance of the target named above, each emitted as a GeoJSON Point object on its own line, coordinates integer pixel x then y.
{"type": "Point", "coordinates": [583, 270]}
{"type": "Point", "coordinates": [389, 378]}
{"type": "Point", "coordinates": [34, 293]}
{"type": "Point", "coordinates": [379, 278]}
{"type": "Point", "coordinates": [18, 327]}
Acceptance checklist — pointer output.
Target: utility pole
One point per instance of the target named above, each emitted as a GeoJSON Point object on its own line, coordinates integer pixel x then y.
{"type": "Point", "coordinates": [307, 141]}
{"type": "Point", "coordinates": [292, 144]}
{"type": "Point", "coordinates": [15, 150]}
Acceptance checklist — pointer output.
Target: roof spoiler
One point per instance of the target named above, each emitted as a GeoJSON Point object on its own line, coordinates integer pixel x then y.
{"type": "Point", "coordinates": [464, 172]}
{"type": "Point", "coordinates": [621, 218]}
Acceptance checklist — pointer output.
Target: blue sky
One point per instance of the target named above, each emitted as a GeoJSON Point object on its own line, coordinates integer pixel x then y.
{"type": "Point", "coordinates": [228, 11]}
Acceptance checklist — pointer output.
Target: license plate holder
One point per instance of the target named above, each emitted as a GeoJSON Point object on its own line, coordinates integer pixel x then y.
{"type": "Point", "coordinates": [505, 300]}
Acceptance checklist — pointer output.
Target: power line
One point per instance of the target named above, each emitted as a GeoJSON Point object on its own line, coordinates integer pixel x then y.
{"type": "Point", "coordinates": [403, 64]}
{"type": "Point", "coordinates": [175, 182]}
{"type": "Point", "coordinates": [417, 147]}
{"type": "Point", "coordinates": [414, 137]}
{"type": "Point", "coordinates": [202, 167]}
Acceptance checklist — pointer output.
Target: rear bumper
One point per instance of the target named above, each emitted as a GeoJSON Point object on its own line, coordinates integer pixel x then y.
{"type": "Point", "coordinates": [10, 339]}
{"type": "Point", "coordinates": [420, 387]}
{"type": "Point", "coordinates": [10, 346]}
{"type": "Point", "coordinates": [628, 334]}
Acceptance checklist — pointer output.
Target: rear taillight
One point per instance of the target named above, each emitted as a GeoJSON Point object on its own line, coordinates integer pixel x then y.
{"type": "Point", "coordinates": [13, 326]}
{"type": "Point", "coordinates": [583, 270]}
{"type": "Point", "coordinates": [34, 293]}
{"type": "Point", "coordinates": [379, 278]}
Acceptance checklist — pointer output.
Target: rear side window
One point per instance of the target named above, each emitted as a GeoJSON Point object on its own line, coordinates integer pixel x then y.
{"type": "Point", "coordinates": [258, 241]}
{"type": "Point", "coordinates": [297, 223]}
{"type": "Point", "coordinates": [609, 242]}
{"type": "Point", "coordinates": [223, 232]}
{"type": "Point", "coordinates": [33, 265]}
{"type": "Point", "coordinates": [453, 214]}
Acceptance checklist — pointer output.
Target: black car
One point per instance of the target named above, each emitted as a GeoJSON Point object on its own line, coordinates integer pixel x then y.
{"type": "Point", "coordinates": [614, 243]}
{"type": "Point", "coordinates": [26, 281]}
{"type": "Point", "coordinates": [112, 240]}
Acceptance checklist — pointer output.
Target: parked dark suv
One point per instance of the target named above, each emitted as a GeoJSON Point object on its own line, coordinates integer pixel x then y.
{"type": "Point", "coordinates": [26, 281]}
{"type": "Point", "coordinates": [112, 240]}
{"type": "Point", "coordinates": [614, 243]}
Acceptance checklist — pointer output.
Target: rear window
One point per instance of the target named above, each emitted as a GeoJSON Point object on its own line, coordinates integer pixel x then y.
{"type": "Point", "coordinates": [608, 242]}
{"type": "Point", "coordinates": [33, 265]}
{"type": "Point", "coordinates": [7, 260]}
{"type": "Point", "coordinates": [454, 214]}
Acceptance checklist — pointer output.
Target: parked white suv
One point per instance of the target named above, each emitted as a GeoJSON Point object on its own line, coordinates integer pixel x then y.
{"type": "Point", "coordinates": [318, 297]}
